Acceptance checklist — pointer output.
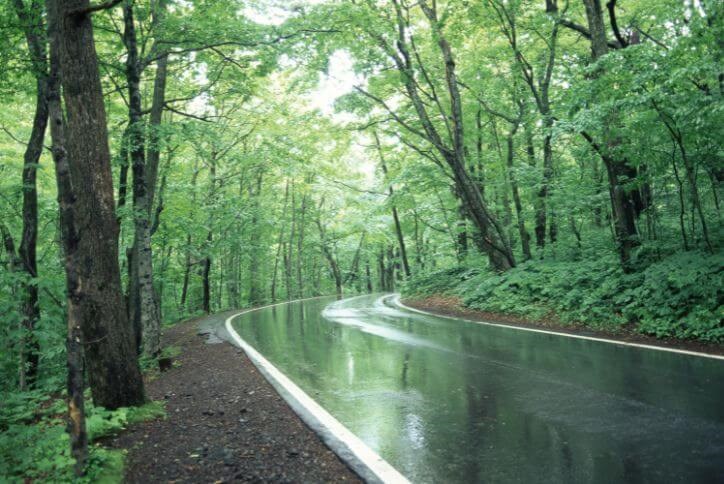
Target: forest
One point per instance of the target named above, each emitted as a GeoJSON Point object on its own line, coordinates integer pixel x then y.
{"type": "Point", "coordinates": [164, 159]}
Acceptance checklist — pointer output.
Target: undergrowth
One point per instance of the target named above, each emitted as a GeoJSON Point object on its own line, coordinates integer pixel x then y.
{"type": "Point", "coordinates": [34, 445]}
{"type": "Point", "coordinates": [679, 296]}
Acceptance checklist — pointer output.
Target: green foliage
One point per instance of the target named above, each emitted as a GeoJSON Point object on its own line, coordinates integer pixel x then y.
{"type": "Point", "coordinates": [34, 443]}
{"type": "Point", "coordinates": [442, 282]}
{"type": "Point", "coordinates": [679, 296]}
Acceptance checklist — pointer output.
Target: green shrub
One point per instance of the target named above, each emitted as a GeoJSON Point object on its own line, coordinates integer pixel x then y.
{"type": "Point", "coordinates": [439, 282]}
{"type": "Point", "coordinates": [679, 296]}
{"type": "Point", "coordinates": [34, 444]}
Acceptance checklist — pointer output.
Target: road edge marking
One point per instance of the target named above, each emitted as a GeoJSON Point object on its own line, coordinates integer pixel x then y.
{"type": "Point", "coordinates": [396, 300]}
{"type": "Point", "coordinates": [339, 434]}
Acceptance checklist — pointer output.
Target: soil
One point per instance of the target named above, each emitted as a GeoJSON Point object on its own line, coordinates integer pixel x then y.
{"type": "Point", "coordinates": [452, 306]}
{"type": "Point", "coordinates": [225, 423]}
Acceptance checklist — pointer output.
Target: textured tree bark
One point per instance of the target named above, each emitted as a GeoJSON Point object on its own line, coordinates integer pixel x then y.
{"type": "Point", "coordinates": [90, 229]}
{"type": "Point", "coordinates": [32, 23]}
{"type": "Point", "coordinates": [144, 311]}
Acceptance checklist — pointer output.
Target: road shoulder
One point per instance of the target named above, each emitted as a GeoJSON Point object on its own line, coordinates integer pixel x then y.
{"type": "Point", "coordinates": [224, 423]}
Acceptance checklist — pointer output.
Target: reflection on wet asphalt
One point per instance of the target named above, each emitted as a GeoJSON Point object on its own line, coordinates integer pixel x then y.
{"type": "Point", "coordinates": [450, 401]}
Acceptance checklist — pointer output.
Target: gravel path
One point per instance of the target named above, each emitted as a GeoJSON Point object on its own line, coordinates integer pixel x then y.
{"type": "Point", "coordinates": [225, 424]}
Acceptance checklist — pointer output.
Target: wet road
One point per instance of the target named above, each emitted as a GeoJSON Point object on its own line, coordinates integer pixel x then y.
{"type": "Point", "coordinates": [450, 401]}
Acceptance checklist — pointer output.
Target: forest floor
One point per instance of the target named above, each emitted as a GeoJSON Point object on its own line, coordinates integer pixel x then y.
{"type": "Point", "coordinates": [225, 423]}
{"type": "Point", "coordinates": [452, 306]}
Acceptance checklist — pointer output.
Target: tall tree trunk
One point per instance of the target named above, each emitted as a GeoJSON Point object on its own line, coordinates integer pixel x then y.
{"type": "Point", "coordinates": [353, 274]}
{"type": "Point", "coordinates": [144, 311]}
{"type": "Point", "coordinates": [154, 134]}
{"type": "Point", "coordinates": [381, 271]}
{"type": "Point", "coordinates": [300, 246]}
{"type": "Point", "coordinates": [368, 276]}
{"type": "Point", "coordinates": [624, 212]}
{"type": "Point", "coordinates": [395, 215]}
{"type": "Point", "coordinates": [390, 269]}
{"type": "Point", "coordinates": [256, 295]}
{"type": "Point", "coordinates": [419, 260]}
{"type": "Point", "coordinates": [289, 260]}
{"type": "Point", "coordinates": [522, 232]}
{"type": "Point", "coordinates": [90, 229]}
{"type": "Point", "coordinates": [492, 238]}
{"type": "Point", "coordinates": [279, 244]}
{"type": "Point", "coordinates": [329, 255]}
{"type": "Point", "coordinates": [32, 23]}
{"type": "Point", "coordinates": [123, 172]}
{"type": "Point", "coordinates": [188, 261]}
{"type": "Point", "coordinates": [543, 191]}
{"type": "Point", "coordinates": [206, 275]}
{"type": "Point", "coordinates": [74, 339]}
{"type": "Point", "coordinates": [187, 272]}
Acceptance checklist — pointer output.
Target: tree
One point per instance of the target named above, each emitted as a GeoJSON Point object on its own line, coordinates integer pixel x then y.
{"type": "Point", "coordinates": [89, 226]}
{"type": "Point", "coordinates": [30, 17]}
{"type": "Point", "coordinates": [144, 311]}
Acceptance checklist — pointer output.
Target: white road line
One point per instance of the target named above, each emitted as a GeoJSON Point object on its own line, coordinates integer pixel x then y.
{"type": "Point", "coordinates": [376, 465]}
{"type": "Point", "coordinates": [395, 298]}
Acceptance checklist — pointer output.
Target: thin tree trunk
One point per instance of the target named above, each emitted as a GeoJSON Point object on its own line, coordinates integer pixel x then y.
{"type": "Point", "coordinates": [187, 271]}
{"type": "Point", "coordinates": [395, 215]}
{"type": "Point", "coordinates": [381, 271]}
{"type": "Point", "coordinates": [205, 276]}
{"type": "Point", "coordinates": [333, 264]}
{"type": "Point", "coordinates": [32, 23]}
{"type": "Point", "coordinates": [300, 246]}
{"type": "Point", "coordinates": [682, 209]}
{"type": "Point", "coordinates": [369, 276]}
{"type": "Point", "coordinates": [289, 257]}
{"type": "Point", "coordinates": [492, 237]}
{"type": "Point", "coordinates": [522, 232]}
{"type": "Point", "coordinates": [144, 311]}
{"type": "Point", "coordinates": [255, 293]}
{"type": "Point", "coordinates": [279, 243]}
{"type": "Point", "coordinates": [123, 173]}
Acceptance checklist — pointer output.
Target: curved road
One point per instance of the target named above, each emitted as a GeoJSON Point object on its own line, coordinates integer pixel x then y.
{"type": "Point", "coordinates": [450, 401]}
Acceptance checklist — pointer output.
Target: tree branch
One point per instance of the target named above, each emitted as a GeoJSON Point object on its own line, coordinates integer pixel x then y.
{"type": "Point", "coordinates": [94, 8]}
{"type": "Point", "coordinates": [611, 6]}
